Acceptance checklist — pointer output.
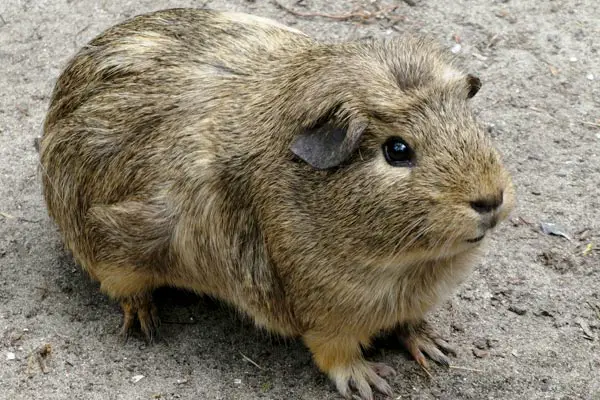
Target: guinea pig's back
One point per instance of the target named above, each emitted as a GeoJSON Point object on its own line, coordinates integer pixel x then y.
{"type": "Point", "coordinates": [138, 105]}
{"type": "Point", "coordinates": [175, 47]}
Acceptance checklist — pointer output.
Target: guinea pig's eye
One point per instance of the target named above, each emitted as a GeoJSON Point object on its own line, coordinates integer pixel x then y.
{"type": "Point", "coordinates": [397, 153]}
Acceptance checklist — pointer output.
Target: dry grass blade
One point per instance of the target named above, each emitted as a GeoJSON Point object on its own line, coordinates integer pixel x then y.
{"type": "Point", "coordinates": [595, 308]}
{"type": "Point", "coordinates": [245, 357]}
{"type": "Point", "coordinates": [424, 368]}
{"type": "Point", "coordinates": [594, 124]}
{"type": "Point", "coordinates": [465, 368]}
{"type": "Point", "coordinates": [356, 14]}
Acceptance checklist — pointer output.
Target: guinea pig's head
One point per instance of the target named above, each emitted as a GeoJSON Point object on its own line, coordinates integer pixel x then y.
{"type": "Point", "coordinates": [399, 166]}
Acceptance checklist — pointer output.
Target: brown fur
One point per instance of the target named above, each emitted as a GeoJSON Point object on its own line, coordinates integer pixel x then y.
{"type": "Point", "coordinates": [166, 156]}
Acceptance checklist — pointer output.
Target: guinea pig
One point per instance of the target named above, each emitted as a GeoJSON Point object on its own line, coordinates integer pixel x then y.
{"type": "Point", "coordinates": [330, 191]}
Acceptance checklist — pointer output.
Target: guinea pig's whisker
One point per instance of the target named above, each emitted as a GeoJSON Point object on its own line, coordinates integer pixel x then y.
{"type": "Point", "coordinates": [406, 232]}
{"type": "Point", "coordinates": [443, 243]}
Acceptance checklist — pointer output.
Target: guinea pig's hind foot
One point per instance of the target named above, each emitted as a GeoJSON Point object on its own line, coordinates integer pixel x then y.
{"type": "Point", "coordinates": [361, 376]}
{"type": "Point", "coordinates": [420, 338]}
{"type": "Point", "coordinates": [342, 360]}
{"type": "Point", "coordinates": [142, 308]}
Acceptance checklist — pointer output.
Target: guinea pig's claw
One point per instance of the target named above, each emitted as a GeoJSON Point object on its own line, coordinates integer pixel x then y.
{"type": "Point", "coordinates": [149, 322]}
{"type": "Point", "coordinates": [361, 377]}
{"type": "Point", "coordinates": [421, 338]}
{"type": "Point", "coordinates": [382, 369]}
{"type": "Point", "coordinates": [143, 309]}
{"type": "Point", "coordinates": [126, 327]}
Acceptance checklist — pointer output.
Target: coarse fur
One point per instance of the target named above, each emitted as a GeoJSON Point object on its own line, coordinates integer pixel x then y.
{"type": "Point", "coordinates": [167, 159]}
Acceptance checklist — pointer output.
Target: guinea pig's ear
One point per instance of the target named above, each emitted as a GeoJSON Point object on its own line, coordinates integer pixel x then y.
{"type": "Point", "coordinates": [474, 85]}
{"type": "Point", "coordinates": [328, 145]}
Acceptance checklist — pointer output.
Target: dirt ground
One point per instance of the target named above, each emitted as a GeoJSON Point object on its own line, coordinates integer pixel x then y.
{"type": "Point", "coordinates": [527, 322]}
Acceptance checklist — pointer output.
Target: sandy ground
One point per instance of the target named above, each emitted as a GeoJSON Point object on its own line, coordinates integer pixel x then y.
{"type": "Point", "coordinates": [527, 322]}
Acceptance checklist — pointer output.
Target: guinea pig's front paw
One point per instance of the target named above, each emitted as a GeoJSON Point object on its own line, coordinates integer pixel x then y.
{"type": "Point", "coordinates": [361, 376]}
{"type": "Point", "coordinates": [419, 338]}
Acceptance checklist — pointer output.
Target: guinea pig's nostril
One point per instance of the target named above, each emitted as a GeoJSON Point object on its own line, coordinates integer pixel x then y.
{"type": "Point", "coordinates": [486, 205]}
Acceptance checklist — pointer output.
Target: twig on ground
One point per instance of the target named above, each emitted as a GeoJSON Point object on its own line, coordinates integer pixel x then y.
{"type": "Point", "coordinates": [525, 221]}
{"type": "Point", "coordinates": [358, 13]}
{"type": "Point", "coordinates": [465, 368]}
{"type": "Point", "coordinates": [245, 357]}
{"type": "Point", "coordinates": [590, 123]}
{"type": "Point", "coordinates": [595, 308]}
{"type": "Point", "coordinates": [520, 221]}
{"type": "Point", "coordinates": [20, 219]}
{"type": "Point", "coordinates": [426, 371]}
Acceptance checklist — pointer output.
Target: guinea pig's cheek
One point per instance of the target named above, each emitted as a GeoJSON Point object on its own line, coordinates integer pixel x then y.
{"type": "Point", "coordinates": [388, 174]}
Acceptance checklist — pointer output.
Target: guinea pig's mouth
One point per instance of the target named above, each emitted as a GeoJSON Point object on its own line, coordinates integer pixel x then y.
{"type": "Point", "coordinates": [477, 239]}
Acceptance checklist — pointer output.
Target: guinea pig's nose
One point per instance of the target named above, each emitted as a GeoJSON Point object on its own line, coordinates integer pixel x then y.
{"type": "Point", "coordinates": [486, 205]}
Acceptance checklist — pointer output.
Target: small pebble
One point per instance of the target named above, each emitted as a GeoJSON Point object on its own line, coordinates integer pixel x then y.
{"type": "Point", "coordinates": [137, 378]}
{"type": "Point", "coordinates": [10, 356]}
{"type": "Point", "coordinates": [560, 324]}
{"type": "Point", "coordinates": [479, 56]}
{"type": "Point", "coordinates": [456, 48]}
{"type": "Point", "coordinates": [590, 77]}
{"type": "Point", "coordinates": [480, 344]}
{"type": "Point", "coordinates": [543, 313]}
{"type": "Point", "coordinates": [480, 353]}
{"type": "Point", "coordinates": [573, 59]}
{"type": "Point", "coordinates": [586, 328]}
{"type": "Point", "coordinates": [517, 310]}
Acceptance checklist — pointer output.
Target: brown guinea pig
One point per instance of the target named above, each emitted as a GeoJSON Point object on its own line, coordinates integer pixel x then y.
{"type": "Point", "coordinates": [329, 191]}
